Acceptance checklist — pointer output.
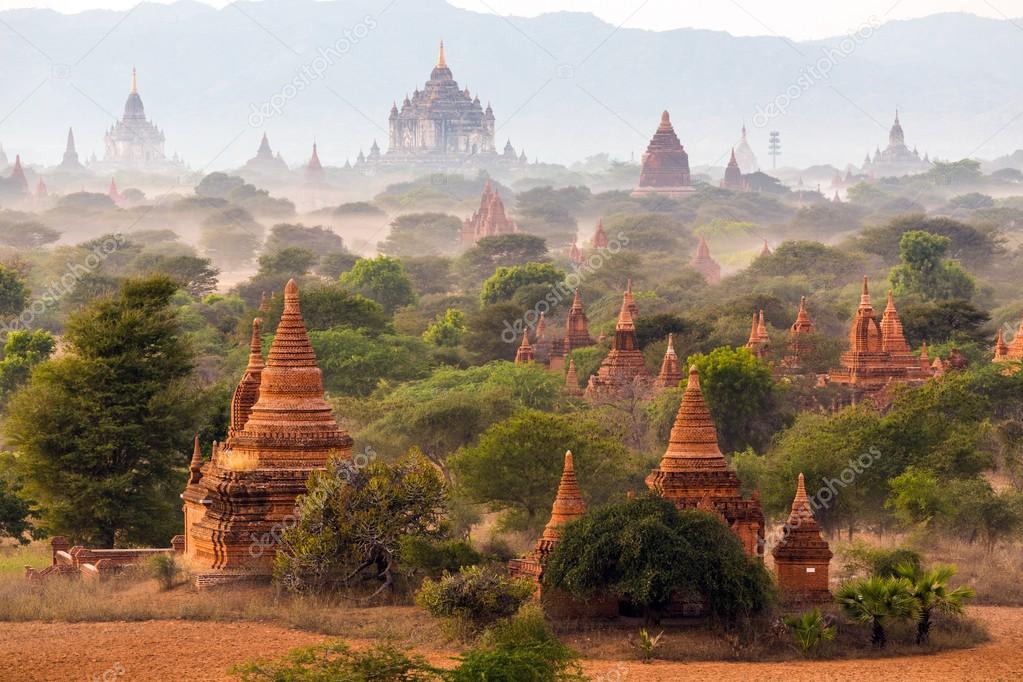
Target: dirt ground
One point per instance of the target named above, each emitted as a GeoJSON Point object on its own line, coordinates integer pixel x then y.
{"type": "Point", "coordinates": [204, 650]}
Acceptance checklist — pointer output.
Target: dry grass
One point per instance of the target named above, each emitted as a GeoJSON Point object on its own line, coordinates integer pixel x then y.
{"type": "Point", "coordinates": [996, 576]}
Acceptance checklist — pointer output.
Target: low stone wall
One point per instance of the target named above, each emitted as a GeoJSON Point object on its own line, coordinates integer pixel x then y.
{"type": "Point", "coordinates": [97, 563]}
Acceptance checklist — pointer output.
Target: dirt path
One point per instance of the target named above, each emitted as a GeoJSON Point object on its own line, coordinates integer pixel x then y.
{"type": "Point", "coordinates": [201, 650]}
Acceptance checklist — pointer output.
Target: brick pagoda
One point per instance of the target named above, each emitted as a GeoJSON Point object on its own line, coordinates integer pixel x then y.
{"type": "Point", "coordinates": [670, 375]}
{"type": "Point", "coordinates": [577, 329]}
{"type": "Point", "coordinates": [733, 176]}
{"type": "Point", "coordinates": [524, 353]}
{"type": "Point", "coordinates": [489, 220]}
{"type": "Point", "coordinates": [572, 380]}
{"type": "Point", "coordinates": [246, 494]}
{"type": "Point", "coordinates": [802, 557]}
{"type": "Point", "coordinates": [800, 337]}
{"type": "Point", "coordinates": [624, 363]}
{"type": "Point", "coordinates": [1009, 352]}
{"type": "Point", "coordinates": [694, 474]}
{"type": "Point", "coordinates": [665, 164]}
{"type": "Point", "coordinates": [759, 342]}
{"type": "Point", "coordinates": [704, 264]}
{"type": "Point", "coordinates": [599, 239]}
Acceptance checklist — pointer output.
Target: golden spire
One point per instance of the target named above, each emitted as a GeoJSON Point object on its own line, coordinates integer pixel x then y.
{"type": "Point", "coordinates": [134, 82]}
{"type": "Point", "coordinates": [441, 64]}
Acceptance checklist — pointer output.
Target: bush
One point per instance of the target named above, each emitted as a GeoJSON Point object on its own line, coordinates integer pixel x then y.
{"type": "Point", "coordinates": [164, 568]}
{"type": "Point", "coordinates": [862, 560]}
{"type": "Point", "coordinates": [810, 630]}
{"type": "Point", "coordinates": [419, 555]}
{"type": "Point", "coordinates": [336, 661]}
{"type": "Point", "coordinates": [474, 598]}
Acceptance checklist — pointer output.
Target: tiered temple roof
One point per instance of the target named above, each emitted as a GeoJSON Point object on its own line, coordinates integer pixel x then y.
{"type": "Point", "coordinates": [577, 329]}
{"type": "Point", "coordinates": [255, 476]}
{"type": "Point", "coordinates": [802, 557]}
{"type": "Point", "coordinates": [624, 363]}
{"type": "Point", "coordinates": [703, 263]}
{"type": "Point", "coordinates": [489, 219]}
{"type": "Point", "coordinates": [265, 161]}
{"type": "Point", "coordinates": [665, 164]}
{"type": "Point", "coordinates": [670, 375]}
{"type": "Point", "coordinates": [17, 180]}
{"type": "Point", "coordinates": [694, 474]}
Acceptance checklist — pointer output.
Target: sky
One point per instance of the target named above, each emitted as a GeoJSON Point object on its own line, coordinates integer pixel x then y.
{"type": "Point", "coordinates": [799, 19]}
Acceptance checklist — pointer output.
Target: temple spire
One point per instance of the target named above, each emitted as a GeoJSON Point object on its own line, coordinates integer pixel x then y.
{"type": "Point", "coordinates": [134, 82]}
{"type": "Point", "coordinates": [694, 442]}
{"type": "Point", "coordinates": [568, 503]}
{"type": "Point", "coordinates": [670, 375]}
{"type": "Point", "coordinates": [195, 466]}
{"type": "Point", "coordinates": [441, 63]}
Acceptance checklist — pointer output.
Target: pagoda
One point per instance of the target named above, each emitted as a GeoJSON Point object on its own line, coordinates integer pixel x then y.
{"type": "Point", "coordinates": [694, 474]}
{"type": "Point", "coordinates": [878, 353]}
{"type": "Point", "coordinates": [665, 164]}
{"type": "Point", "coordinates": [280, 433]}
{"type": "Point", "coordinates": [524, 353]}
{"type": "Point", "coordinates": [1009, 352]}
{"type": "Point", "coordinates": [314, 174]}
{"type": "Point", "coordinates": [543, 346]}
{"type": "Point", "coordinates": [802, 557]}
{"type": "Point", "coordinates": [575, 254]}
{"type": "Point", "coordinates": [17, 180]}
{"type": "Point", "coordinates": [744, 153]}
{"type": "Point", "coordinates": [800, 337]}
{"type": "Point", "coordinates": [599, 239]}
{"type": "Point", "coordinates": [572, 380]}
{"type": "Point", "coordinates": [733, 176]}
{"type": "Point", "coordinates": [113, 193]}
{"type": "Point", "coordinates": [265, 161]}
{"type": "Point", "coordinates": [577, 330]}
{"type": "Point", "coordinates": [758, 342]}
{"type": "Point", "coordinates": [896, 159]}
{"type": "Point", "coordinates": [489, 220]}
{"type": "Point", "coordinates": [670, 375]}
{"type": "Point", "coordinates": [704, 264]}
{"type": "Point", "coordinates": [624, 363]}
{"type": "Point", "coordinates": [70, 162]}
{"type": "Point", "coordinates": [41, 191]}
{"type": "Point", "coordinates": [133, 141]}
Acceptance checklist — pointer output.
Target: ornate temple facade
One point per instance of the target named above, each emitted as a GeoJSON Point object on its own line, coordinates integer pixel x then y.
{"type": "Point", "coordinates": [489, 220]}
{"type": "Point", "coordinates": [705, 264]}
{"type": "Point", "coordinates": [134, 142]}
{"type": "Point", "coordinates": [665, 168]}
{"type": "Point", "coordinates": [693, 474]}
{"type": "Point", "coordinates": [802, 557]}
{"type": "Point", "coordinates": [896, 159]}
{"type": "Point", "coordinates": [281, 430]}
{"type": "Point", "coordinates": [624, 364]}
{"type": "Point", "coordinates": [878, 353]}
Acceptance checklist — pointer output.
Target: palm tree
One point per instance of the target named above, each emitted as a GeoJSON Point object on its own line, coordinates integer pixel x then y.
{"type": "Point", "coordinates": [873, 601]}
{"type": "Point", "coordinates": [931, 592]}
{"type": "Point", "coordinates": [810, 630]}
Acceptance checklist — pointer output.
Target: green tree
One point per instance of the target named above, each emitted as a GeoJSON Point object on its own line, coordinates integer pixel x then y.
{"type": "Point", "coordinates": [489, 253]}
{"type": "Point", "coordinates": [330, 306]}
{"type": "Point", "coordinates": [939, 321]}
{"type": "Point", "coordinates": [502, 285]}
{"type": "Point", "coordinates": [27, 235]}
{"type": "Point", "coordinates": [316, 239]}
{"type": "Point", "coordinates": [195, 275]}
{"type": "Point", "coordinates": [101, 433]}
{"type": "Point", "coordinates": [493, 333]}
{"type": "Point", "coordinates": [353, 520]}
{"type": "Point", "coordinates": [291, 261]}
{"type": "Point", "coordinates": [516, 464]}
{"type": "Point", "coordinates": [447, 329]}
{"type": "Point", "coordinates": [875, 602]}
{"type": "Point", "coordinates": [354, 363]}
{"type": "Point", "coordinates": [13, 293]}
{"type": "Point", "coordinates": [23, 350]}
{"type": "Point", "coordinates": [646, 552]}
{"type": "Point", "coordinates": [918, 497]}
{"type": "Point", "coordinates": [422, 234]}
{"type": "Point", "coordinates": [925, 272]}
{"type": "Point", "coordinates": [932, 593]}
{"type": "Point", "coordinates": [14, 514]}
{"type": "Point", "coordinates": [381, 279]}
{"type": "Point", "coordinates": [810, 629]}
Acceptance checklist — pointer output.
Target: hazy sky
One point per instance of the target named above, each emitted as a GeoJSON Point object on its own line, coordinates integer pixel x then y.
{"type": "Point", "coordinates": [801, 19]}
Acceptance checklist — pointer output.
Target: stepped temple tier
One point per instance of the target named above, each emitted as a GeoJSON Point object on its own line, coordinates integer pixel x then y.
{"type": "Point", "coordinates": [802, 557]}
{"type": "Point", "coordinates": [665, 164]}
{"type": "Point", "coordinates": [878, 353]}
{"type": "Point", "coordinates": [693, 473]}
{"type": "Point", "coordinates": [489, 220]}
{"type": "Point", "coordinates": [281, 430]}
{"type": "Point", "coordinates": [443, 123]}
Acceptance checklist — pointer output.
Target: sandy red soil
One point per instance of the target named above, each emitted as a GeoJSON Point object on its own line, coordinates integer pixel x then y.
{"type": "Point", "coordinates": [203, 650]}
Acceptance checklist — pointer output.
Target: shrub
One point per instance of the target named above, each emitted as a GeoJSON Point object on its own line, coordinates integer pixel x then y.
{"type": "Point", "coordinates": [474, 598]}
{"type": "Point", "coordinates": [862, 560]}
{"type": "Point", "coordinates": [419, 555]}
{"type": "Point", "coordinates": [164, 568]}
{"type": "Point", "coordinates": [336, 661]}
{"type": "Point", "coordinates": [647, 644]}
{"type": "Point", "coordinates": [810, 630]}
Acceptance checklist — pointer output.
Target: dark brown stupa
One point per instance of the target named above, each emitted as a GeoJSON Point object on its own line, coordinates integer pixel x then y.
{"type": "Point", "coordinates": [670, 375]}
{"type": "Point", "coordinates": [255, 476]}
{"type": "Point", "coordinates": [624, 363]}
{"type": "Point", "coordinates": [733, 176]}
{"type": "Point", "coordinates": [704, 264]}
{"type": "Point", "coordinates": [693, 472]}
{"type": "Point", "coordinates": [802, 557]}
{"type": "Point", "coordinates": [665, 164]}
{"type": "Point", "coordinates": [577, 329]}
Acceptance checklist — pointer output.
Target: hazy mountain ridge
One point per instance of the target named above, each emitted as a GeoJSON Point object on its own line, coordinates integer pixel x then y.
{"type": "Point", "coordinates": [563, 85]}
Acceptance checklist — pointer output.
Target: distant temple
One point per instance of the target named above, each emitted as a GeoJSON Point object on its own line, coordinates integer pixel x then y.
{"type": "Point", "coordinates": [693, 474]}
{"type": "Point", "coordinates": [878, 353]}
{"type": "Point", "coordinates": [670, 375]}
{"type": "Point", "coordinates": [665, 168]}
{"type": "Point", "coordinates": [135, 142]}
{"type": "Point", "coordinates": [624, 363]}
{"type": "Point", "coordinates": [744, 154]}
{"type": "Point", "coordinates": [1009, 352]}
{"type": "Point", "coordinates": [896, 159]}
{"type": "Point", "coordinates": [577, 329]}
{"type": "Point", "coordinates": [733, 176]}
{"type": "Point", "coordinates": [265, 161]}
{"type": "Point", "coordinates": [704, 264]}
{"type": "Point", "coordinates": [70, 162]}
{"type": "Point", "coordinates": [758, 343]}
{"type": "Point", "coordinates": [800, 338]}
{"type": "Point", "coordinates": [281, 430]}
{"type": "Point", "coordinates": [489, 220]}
{"type": "Point", "coordinates": [442, 123]}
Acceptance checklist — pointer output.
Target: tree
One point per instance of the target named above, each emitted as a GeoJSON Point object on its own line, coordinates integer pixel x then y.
{"type": "Point", "coordinates": [352, 522]}
{"type": "Point", "coordinates": [516, 463]}
{"type": "Point", "coordinates": [23, 350]}
{"type": "Point", "coordinates": [740, 394]}
{"type": "Point", "coordinates": [316, 239]}
{"type": "Point", "coordinates": [474, 598]}
{"type": "Point", "coordinates": [648, 553]}
{"type": "Point", "coordinates": [101, 433]}
{"type": "Point", "coordinates": [430, 274]}
{"type": "Point", "coordinates": [291, 262]}
{"type": "Point", "coordinates": [230, 236]}
{"type": "Point", "coordinates": [330, 306]}
{"type": "Point", "coordinates": [925, 272]}
{"type": "Point", "coordinates": [381, 279]}
{"type": "Point", "coordinates": [823, 265]}
{"type": "Point", "coordinates": [195, 275]}
{"type": "Point", "coordinates": [218, 185]}
{"type": "Point", "coordinates": [810, 629]}
{"type": "Point", "coordinates": [13, 293]}
{"type": "Point", "coordinates": [502, 285]}
{"type": "Point", "coordinates": [930, 589]}
{"type": "Point", "coordinates": [489, 253]}
{"type": "Point", "coordinates": [493, 332]}
{"type": "Point", "coordinates": [939, 321]}
{"type": "Point", "coordinates": [14, 514]}
{"type": "Point", "coordinates": [918, 497]}
{"type": "Point", "coordinates": [875, 602]}
{"type": "Point", "coordinates": [27, 235]}
{"type": "Point", "coordinates": [422, 234]}
{"type": "Point", "coordinates": [971, 245]}
{"type": "Point", "coordinates": [354, 363]}
{"type": "Point", "coordinates": [447, 329]}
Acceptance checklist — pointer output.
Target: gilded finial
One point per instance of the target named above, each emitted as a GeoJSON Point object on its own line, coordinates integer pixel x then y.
{"type": "Point", "coordinates": [441, 64]}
